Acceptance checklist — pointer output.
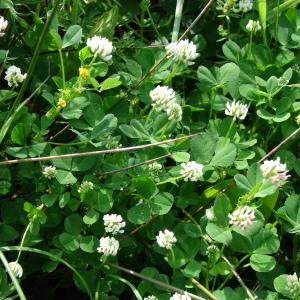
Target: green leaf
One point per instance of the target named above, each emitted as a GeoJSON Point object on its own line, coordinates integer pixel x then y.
{"type": "Point", "coordinates": [219, 234]}
{"type": "Point", "coordinates": [103, 200]}
{"type": "Point", "coordinates": [72, 36]}
{"type": "Point", "coordinates": [145, 186]}
{"type": "Point", "coordinates": [68, 241]}
{"type": "Point", "coordinates": [73, 224]}
{"type": "Point", "coordinates": [206, 78]}
{"type": "Point", "coordinates": [91, 217]}
{"type": "Point", "coordinates": [228, 72]}
{"type": "Point", "coordinates": [265, 242]}
{"type": "Point", "coordinates": [110, 83]}
{"type": "Point", "coordinates": [262, 263]}
{"type": "Point", "coordinates": [232, 51]}
{"type": "Point", "coordinates": [139, 214]}
{"type": "Point", "coordinates": [89, 243]}
{"type": "Point", "coordinates": [65, 177]}
{"type": "Point", "coordinates": [222, 208]}
{"type": "Point", "coordinates": [281, 284]}
{"type": "Point", "coordinates": [162, 203]}
{"type": "Point", "coordinates": [225, 154]}
{"type": "Point", "coordinates": [7, 233]}
{"type": "Point", "coordinates": [192, 269]}
{"type": "Point", "coordinates": [180, 156]}
{"type": "Point", "coordinates": [7, 95]}
{"type": "Point", "coordinates": [106, 126]}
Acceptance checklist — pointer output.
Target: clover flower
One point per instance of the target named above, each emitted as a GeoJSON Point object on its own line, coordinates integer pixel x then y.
{"type": "Point", "coordinates": [245, 5]}
{"type": "Point", "coordinates": [274, 170]}
{"type": "Point", "coordinates": [16, 269]}
{"type": "Point", "coordinates": [14, 76]}
{"type": "Point", "coordinates": [174, 111]}
{"type": "Point", "coordinates": [155, 167]}
{"type": "Point", "coordinates": [108, 246]}
{"type": "Point", "coordinates": [113, 223]}
{"type": "Point", "coordinates": [166, 239]}
{"type": "Point", "coordinates": [210, 215]}
{"type": "Point", "coordinates": [253, 26]}
{"type": "Point", "coordinates": [212, 250]}
{"type": "Point", "coordinates": [151, 298]}
{"type": "Point", "coordinates": [49, 172]}
{"type": "Point", "coordinates": [85, 187]}
{"type": "Point", "coordinates": [184, 51]}
{"type": "Point", "coordinates": [293, 285]}
{"type": "Point", "coordinates": [61, 103]}
{"type": "Point", "coordinates": [297, 120]}
{"type": "Point", "coordinates": [242, 217]}
{"type": "Point", "coordinates": [178, 296]}
{"type": "Point", "coordinates": [3, 26]}
{"type": "Point", "coordinates": [101, 47]}
{"type": "Point", "coordinates": [191, 170]}
{"type": "Point", "coordinates": [282, 81]}
{"type": "Point", "coordinates": [162, 97]}
{"type": "Point", "coordinates": [236, 109]}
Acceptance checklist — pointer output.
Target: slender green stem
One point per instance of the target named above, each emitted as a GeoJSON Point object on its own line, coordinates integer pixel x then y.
{"type": "Point", "coordinates": [12, 276]}
{"type": "Point", "coordinates": [173, 261]}
{"type": "Point", "coordinates": [172, 73]}
{"type": "Point", "coordinates": [149, 117]}
{"type": "Point", "coordinates": [177, 20]}
{"type": "Point", "coordinates": [142, 23]}
{"type": "Point", "coordinates": [23, 240]}
{"type": "Point", "coordinates": [170, 180]}
{"type": "Point", "coordinates": [62, 67]}
{"type": "Point", "coordinates": [250, 45]}
{"type": "Point", "coordinates": [249, 196]}
{"type": "Point", "coordinates": [97, 294]}
{"type": "Point", "coordinates": [229, 130]}
{"type": "Point", "coordinates": [212, 101]}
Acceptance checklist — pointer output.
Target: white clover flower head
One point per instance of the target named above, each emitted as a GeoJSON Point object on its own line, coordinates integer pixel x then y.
{"type": "Point", "coordinates": [210, 215]}
{"type": "Point", "coordinates": [3, 26]}
{"type": "Point", "coordinates": [113, 223]}
{"type": "Point", "coordinates": [242, 217]}
{"type": "Point", "coordinates": [108, 246]}
{"type": "Point", "coordinates": [16, 268]}
{"type": "Point", "coordinates": [174, 111]}
{"type": "Point", "coordinates": [85, 187]}
{"type": "Point", "coordinates": [162, 97]}
{"type": "Point", "coordinates": [14, 76]}
{"type": "Point", "coordinates": [236, 109]}
{"type": "Point", "coordinates": [244, 6]}
{"type": "Point", "coordinates": [184, 51]}
{"type": "Point", "coordinates": [166, 239]}
{"type": "Point", "coordinates": [151, 298]}
{"type": "Point", "coordinates": [155, 167]}
{"type": "Point", "coordinates": [178, 296]}
{"type": "Point", "coordinates": [282, 81]}
{"type": "Point", "coordinates": [191, 170]}
{"type": "Point", "coordinates": [253, 26]}
{"type": "Point", "coordinates": [274, 170]}
{"type": "Point", "coordinates": [293, 285]}
{"type": "Point", "coordinates": [101, 47]}
{"type": "Point", "coordinates": [49, 172]}
{"type": "Point", "coordinates": [212, 250]}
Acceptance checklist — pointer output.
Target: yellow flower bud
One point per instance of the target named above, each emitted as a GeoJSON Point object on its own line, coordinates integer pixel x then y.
{"type": "Point", "coordinates": [61, 103]}
{"type": "Point", "coordinates": [297, 119]}
{"type": "Point", "coordinates": [83, 72]}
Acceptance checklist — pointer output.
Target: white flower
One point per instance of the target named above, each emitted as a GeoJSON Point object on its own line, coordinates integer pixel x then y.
{"type": "Point", "coordinates": [108, 246]}
{"type": "Point", "coordinates": [282, 81]}
{"type": "Point", "coordinates": [183, 51]}
{"type": "Point", "coordinates": [212, 250]}
{"type": "Point", "coordinates": [14, 76]}
{"type": "Point", "coordinates": [151, 298]}
{"type": "Point", "coordinates": [85, 187]}
{"type": "Point", "coordinates": [16, 269]}
{"type": "Point", "coordinates": [3, 25]}
{"type": "Point", "coordinates": [49, 172]}
{"type": "Point", "coordinates": [113, 223]}
{"type": "Point", "coordinates": [166, 239]}
{"type": "Point", "coordinates": [162, 97]}
{"type": "Point", "coordinates": [191, 170]}
{"type": "Point", "coordinates": [274, 170]}
{"type": "Point", "coordinates": [253, 26]}
{"type": "Point", "coordinates": [293, 285]}
{"type": "Point", "coordinates": [236, 109]}
{"type": "Point", "coordinates": [178, 296]}
{"type": "Point", "coordinates": [242, 217]}
{"type": "Point", "coordinates": [244, 6]}
{"type": "Point", "coordinates": [210, 215]}
{"type": "Point", "coordinates": [101, 47]}
{"type": "Point", "coordinates": [174, 111]}
{"type": "Point", "coordinates": [155, 167]}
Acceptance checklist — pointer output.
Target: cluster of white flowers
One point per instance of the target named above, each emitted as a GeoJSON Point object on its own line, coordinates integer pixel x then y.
{"type": "Point", "coordinates": [164, 99]}
{"type": "Point", "coordinates": [14, 76]}
{"type": "Point", "coordinates": [16, 269]}
{"type": "Point", "coordinates": [113, 223]}
{"type": "Point", "coordinates": [3, 26]}
{"type": "Point", "coordinates": [236, 109]}
{"type": "Point", "coordinates": [191, 170]}
{"type": "Point", "coordinates": [242, 217]}
{"type": "Point", "coordinates": [253, 26]}
{"type": "Point", "coordinates": [155, 167]}
{"type": "Point", "coordinates": [293, 285]}
{"type": "Point", "coordinates": [166, 239]}
{"type": "Point", "coordinates": [151, 298]}
{"type": "Point", "coordinates": [49, 172]}
{"type": "Point", "coordinates": [183, 51]}
{"type": "Point", "coordinates": [178, 296]}
{"type": "Point", "coordinates": [101, 47]}
{"type": "Point", "coordinates": [85, 187]}
{"type": "Point", "coordinates": [108, 246]}
{"type": "Point", "coordinates": [274, 170]}
{"type": "Point", "coordinates": [210, 215]}
{"type": "Point", "coordinates": [244, 6]}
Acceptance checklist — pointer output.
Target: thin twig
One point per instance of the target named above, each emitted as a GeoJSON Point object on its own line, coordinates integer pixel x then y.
{"type": "Point", "coordinates": [146, 162]}
{"type": "Point", "coordinates": [157, 282]}
{"type": "Point", "coordinates": [239, 279]}
{"type": "Point", "coordinates": [58, 133]}
{"type": "Point", "coordinates": [280, 144]}
{"type": "Point", "coordinates": [93, 153]}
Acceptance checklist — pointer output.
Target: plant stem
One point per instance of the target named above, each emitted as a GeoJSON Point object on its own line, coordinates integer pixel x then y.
{"type": "Point", "coordinates": [229, 130]}
{"type": "Point", "coordinates": [173, 261]}
{"type": "Point", "coordinates": [170, 180]}
{"type": "Point", "coordinates": [250, 45]}
{"type": "Point", "coordinates": [62, 68]}
{"type": "Point", "coordinates": [23, 240]}
{"type": "Point", "coordinates": [203, 289]}
{"type": "Point", "coordinates": [177, 20]}
{"type": "Point", "coordinates": [153, 25]}
{"type": "Point", "coordinates": [212, 101]}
